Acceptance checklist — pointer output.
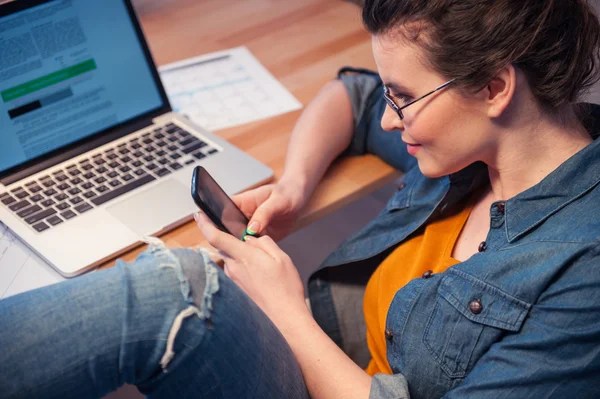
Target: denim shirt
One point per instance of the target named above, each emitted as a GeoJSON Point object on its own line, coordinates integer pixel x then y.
{"type": "Point", "coordinates": [521, 318]}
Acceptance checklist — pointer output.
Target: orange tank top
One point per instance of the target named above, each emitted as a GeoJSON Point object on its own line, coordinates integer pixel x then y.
{"type": "Point", "coordinates": [430, 251]}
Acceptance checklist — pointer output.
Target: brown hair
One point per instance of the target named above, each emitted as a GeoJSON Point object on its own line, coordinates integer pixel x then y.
{"type": "Point", "coordinates": [554, 42]}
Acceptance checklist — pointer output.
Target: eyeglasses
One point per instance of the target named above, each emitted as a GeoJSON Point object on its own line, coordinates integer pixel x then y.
{"type": "Point", "coordinates": [388, 98]}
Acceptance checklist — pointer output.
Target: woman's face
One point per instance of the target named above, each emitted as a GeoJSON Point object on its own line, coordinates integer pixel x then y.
{"type": "Point", "coordinates": [446, 131]}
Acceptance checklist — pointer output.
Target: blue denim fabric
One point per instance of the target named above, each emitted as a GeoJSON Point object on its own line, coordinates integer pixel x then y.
{"type": "Point", "coordinates": [538, 280]}
{"type": "Point", "coordinates": [86, 337]}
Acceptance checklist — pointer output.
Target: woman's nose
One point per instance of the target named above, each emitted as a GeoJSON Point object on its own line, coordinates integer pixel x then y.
{"type": "Point", "coordinates": [391, 120]}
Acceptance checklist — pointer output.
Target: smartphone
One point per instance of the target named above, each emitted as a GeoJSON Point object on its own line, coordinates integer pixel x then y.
{"type": "Point", "coordinates": [217, 205]}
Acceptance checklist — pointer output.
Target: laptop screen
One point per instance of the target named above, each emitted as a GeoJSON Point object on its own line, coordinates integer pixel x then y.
{"type": "Point", "coordinates": [69, 69]}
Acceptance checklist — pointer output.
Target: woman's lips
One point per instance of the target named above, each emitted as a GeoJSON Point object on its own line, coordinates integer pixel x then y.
{"type": "Point", "coordinates": [413, 148]}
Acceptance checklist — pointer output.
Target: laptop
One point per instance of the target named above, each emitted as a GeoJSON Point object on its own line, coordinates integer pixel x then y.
{"type": "Point", "coordinates": [92, 158]}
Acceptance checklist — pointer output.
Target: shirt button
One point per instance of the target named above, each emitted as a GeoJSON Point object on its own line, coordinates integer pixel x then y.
{"type": "Point", "coordinates": [475, 306]}
{"type": "Point", "coordinates": [389, 335]}
{"type": "Point", "coordinates": [401, 186]}
{"type": "Point", "coordinates": [482, 246]}
{"type": "Point", "coordinates": [427, 274]}
{"type": "Point", "coordinates": [501, 207]}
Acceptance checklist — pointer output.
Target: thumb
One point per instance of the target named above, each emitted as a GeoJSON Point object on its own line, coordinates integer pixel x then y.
{"type": "Point", "coordinates": [262, 217]}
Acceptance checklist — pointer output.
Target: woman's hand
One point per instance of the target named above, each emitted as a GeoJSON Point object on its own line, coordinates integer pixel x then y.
{"type": "Point", "coordinates": [273, 209]}
{"type": "Point", "coordinates": [262, 270]}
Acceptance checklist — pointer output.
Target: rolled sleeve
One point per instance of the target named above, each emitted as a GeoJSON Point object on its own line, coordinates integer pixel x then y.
{"type": "Point", "coordinates": [384, 386]}
{"type": "Point", "coordinates": [364, 89]}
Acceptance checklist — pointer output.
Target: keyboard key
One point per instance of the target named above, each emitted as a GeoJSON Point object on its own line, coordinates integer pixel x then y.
{"type": "Point", "coordinates": [31, 183]}
{"type": "Point", "coordinates": [149, 148]}
{"type": "Point", "coordinates": [159, 135]}
{"type": "Point", "coordinates": [138, 154]}
{"type": "Point", "coordinates": [173, 139]}
{"type": "Point", "coordinates": [160, 153]}
{"type": "Point", "coordinates": [112, 156]}
{"type": "Point", "coordinates": [114, 165]}
{"type": "Point", "coordinates": [162, 172]}
{"type": "Point", "coordinates": [149, 158]}
{"type": "Point", "coordinates": [147, 141]}
{"type": "Point", "coordinates": [89, 194]}
{"type": "Point", "coordinates": [199, 155]}
{"type": "Point", "coordinates": [76, 200]}
{"type": "Point", "coordinates": [68, 214]}
{"type": "Point", "coordinates": [29, 211]}
{"type": "Point", "coordinates": [123, 189]}
{"type": "Point", "coordinates": [87, 186]}
{"type": "Point", "coordinates": [161, 143]}
{"type": "Point", "coordinates": [171, 128]}
{"type": "Point", "coordinates": [89, 175]}
{"type": "Point", "coordinates": [101, 170]}
{"type": "Point", "coordinates": [35, 189]}
{"type": "Point", "coordinates": [63, 206]}
{"type": "Point", "coordinates": [19, 205]}
{"type": "Point", "coordinates": [176, 166]}
{"type": "Point", "coordinates": [7, 200]}
{"type": "Point", "coordinates": [172, 148]}
{"type": "Point", "coordinates": [125, 159]}
{"type": "Point", "coordinates": [137, 164]}
{"type": "Point", "coordinates": [54, 220]}
{"type": "Point", "coordinates": [50, 192]}
{"type": "Point", "coordinates": [146, 134]}
{"type": "Point", "coordinates": [213, 151]}
{"type": "Point", "coordinates": [101, 189]}
{"type": "Point", "coordinates": [74, 172]}
{"type": "Point", "coordinates": [40, 216]}
{"type": "Point", "coordinates": [115, 183]}
{"type": "Point", "coordinates": [188, 141]}
{"type": "Point", "coordinates": [112, 174]}
{"type": "Point", "coordinates": [41, 227]}
{"type": "Point", "coordinates": [175, 156]}
{"type": "Point", "coordinates": [36, 198]}
{"type": "Point", "coordinates": [63, 187]}
{"type": "Point", "coordinates": [99, 161]}
{"type": "Point", "coordinates": [48, 203]}
{"type": "Point", "coordinates": [190, 161]}
{"type": "Point", "coordinates": [100, 180]}
{"type": "Point", "coordinates": [61, 197]}
{"type": "Point", "coordinates": [123, 151]}
{"type": "Point", "coordinates": [76, 181]}
{"type": "Point", "coordinates": [21, 194]}
{"type": "Point", "coordinates": [151, 166]}
{"type": "Point", "coordinates": [62, 177]}
{"type": "Point", "coordinates": [87, 167]}
{"type": "Point", "coordinates": [136, 146]}
{"type": "Point", "coordinates": [74, 191]}
{"type": "Point", "coordinates": [122, 145]}
{"type": "Point", "coordinates": [48, 183]}
{"type": "Point", "coordinates": [127, 177]}
{"type": "Point", "coordinates": [194, 147]}
{"type": "Point", "coordinates": [163, 161]}
{"type": "Point", "coordinates": [125, 169]}
{"type": "Point", "coordinates": [184, 134]}
{"type": "Point", "coordinates": [139, 172]}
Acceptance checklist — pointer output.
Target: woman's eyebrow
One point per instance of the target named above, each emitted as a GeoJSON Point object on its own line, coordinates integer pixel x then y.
{"type": "Point", "coordinates": [396, 87]}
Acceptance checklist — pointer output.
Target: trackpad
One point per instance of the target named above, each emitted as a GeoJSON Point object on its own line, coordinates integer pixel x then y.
{"type": "Point", "coordinates": [155, 208]}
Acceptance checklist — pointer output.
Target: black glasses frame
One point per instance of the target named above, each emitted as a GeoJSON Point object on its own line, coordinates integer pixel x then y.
{"type": "Point", "coordinates": [388, 98]}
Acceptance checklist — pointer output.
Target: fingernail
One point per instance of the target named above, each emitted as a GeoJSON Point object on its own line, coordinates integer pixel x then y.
{"type": "Point", "coordinates": [196, 217]}
{"type": "Point", "coordinates": [253, 228]}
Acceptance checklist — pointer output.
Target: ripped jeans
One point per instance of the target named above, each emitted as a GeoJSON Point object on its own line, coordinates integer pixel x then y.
{"type": "Point", "coordinates": [170, 323]}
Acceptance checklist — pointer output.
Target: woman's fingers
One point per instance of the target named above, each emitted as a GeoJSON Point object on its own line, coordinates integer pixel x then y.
{"type": "Point", "coordinates": [226, 243]}
{"type": "Point", "coordinates": [269, 246]}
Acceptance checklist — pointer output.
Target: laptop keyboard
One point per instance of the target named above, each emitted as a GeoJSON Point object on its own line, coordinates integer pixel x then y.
{"type": "Point", "coordinates": [105, 175]}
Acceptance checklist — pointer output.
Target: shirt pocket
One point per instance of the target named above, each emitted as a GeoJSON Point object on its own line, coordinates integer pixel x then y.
{"type": "Point", "coordinates": [468, 317]}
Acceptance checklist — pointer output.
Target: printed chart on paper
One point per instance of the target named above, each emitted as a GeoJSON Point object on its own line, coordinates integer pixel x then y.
{"type": "Point", "coordinates": [225, 89]}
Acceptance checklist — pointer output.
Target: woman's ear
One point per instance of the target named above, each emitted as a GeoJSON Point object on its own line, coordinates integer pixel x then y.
{"type": "Point", "coordinates": [500, 91]}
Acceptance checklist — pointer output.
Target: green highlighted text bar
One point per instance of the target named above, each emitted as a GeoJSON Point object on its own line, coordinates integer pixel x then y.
{"type": "Point", "coordinates": [48, 80]}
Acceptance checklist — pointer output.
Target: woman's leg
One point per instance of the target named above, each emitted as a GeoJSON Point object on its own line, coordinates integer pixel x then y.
{"type": "Point", "coordinates": [170, 323]}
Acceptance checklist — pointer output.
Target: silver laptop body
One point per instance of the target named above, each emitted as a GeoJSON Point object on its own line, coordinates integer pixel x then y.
{"type": "Point", "coordinates": [92, 158]}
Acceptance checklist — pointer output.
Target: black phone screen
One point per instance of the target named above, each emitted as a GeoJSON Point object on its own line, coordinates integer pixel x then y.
{"type": "Point", "coordinates": [211, 198]}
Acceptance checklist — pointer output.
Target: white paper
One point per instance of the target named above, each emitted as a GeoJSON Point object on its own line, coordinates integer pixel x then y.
{"type": "Point", "coordinates": [20, 268]}
{"type": "Point", "coordinates": [225, 89]}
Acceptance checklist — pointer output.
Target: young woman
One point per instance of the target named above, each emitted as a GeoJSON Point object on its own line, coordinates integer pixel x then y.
{"type": "Point", "coordinates": [483, 270]}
